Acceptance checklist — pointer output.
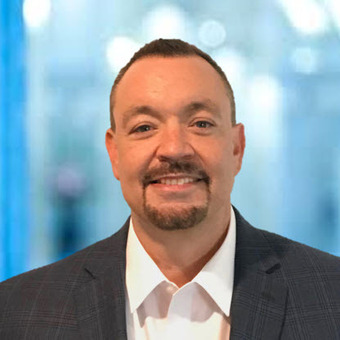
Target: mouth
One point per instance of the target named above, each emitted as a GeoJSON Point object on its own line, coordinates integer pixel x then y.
{"type": "Point", "coordinates": [175, 176]}
{"type": "Point", "coordinates": [178, 180]}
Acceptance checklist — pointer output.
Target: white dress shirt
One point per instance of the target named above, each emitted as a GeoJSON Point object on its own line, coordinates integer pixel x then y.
{"type": "Point", "coordinates": [157, 309]}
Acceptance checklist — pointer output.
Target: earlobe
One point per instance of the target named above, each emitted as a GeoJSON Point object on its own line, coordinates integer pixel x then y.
{"type": "Point", "coordinates": [111, 147]}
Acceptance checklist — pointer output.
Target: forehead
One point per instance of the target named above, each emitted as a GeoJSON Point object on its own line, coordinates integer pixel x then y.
{"type": "Point", "coordinates": [169, 80]}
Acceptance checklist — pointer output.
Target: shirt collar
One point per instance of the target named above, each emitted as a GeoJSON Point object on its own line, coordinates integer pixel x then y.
{"type": "Point", "coordinates": [142, 274]}
{"type": "Point", "coordinates": [216, 277]}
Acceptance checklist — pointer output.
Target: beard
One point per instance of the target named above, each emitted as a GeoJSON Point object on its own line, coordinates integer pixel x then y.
{"type": "Point", "coordinates": [172, 218]}
{"type": "Point", "coordinates": [175, 219]}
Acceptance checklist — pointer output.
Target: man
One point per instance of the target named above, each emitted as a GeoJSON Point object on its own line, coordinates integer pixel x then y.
{"type": "Point", "coordinates": [186, 264]}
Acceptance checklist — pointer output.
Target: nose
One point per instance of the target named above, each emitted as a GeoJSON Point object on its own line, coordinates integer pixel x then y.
{"type": "Point", "coordinates": [174, 144]}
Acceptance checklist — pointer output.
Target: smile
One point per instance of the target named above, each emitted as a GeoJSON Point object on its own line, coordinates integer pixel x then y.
{"type": "Point", "coordinates": [176, 181]}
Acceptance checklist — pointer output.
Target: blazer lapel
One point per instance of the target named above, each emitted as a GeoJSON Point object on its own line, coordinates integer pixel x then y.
{"type": "Point", "coordinates": [100, 300]}
{"type": "Point", "coordinates": [259, 297]}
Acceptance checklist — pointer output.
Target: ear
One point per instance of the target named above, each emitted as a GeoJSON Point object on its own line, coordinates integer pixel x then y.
{"type": "Point", "coordinates": [111, 147]}
{"type": "Point", "coordinates": [239, 144]}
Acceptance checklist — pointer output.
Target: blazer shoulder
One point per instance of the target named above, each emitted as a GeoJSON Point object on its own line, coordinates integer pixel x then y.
{"type": "Point", "coordinates": [313, 280]}
{"type": "Point", "coordinates": [67, 274]}
{"type": "Point", "coordinates": [311, 275]}
{"type": "Point", "coordinates": [293, 280]}
{"type": "Point", "coordinates": [300, 254]}
{"type": "Point", "coordinates": [43, 299]}
{"type": "Point", "coordinates": [288, 251]}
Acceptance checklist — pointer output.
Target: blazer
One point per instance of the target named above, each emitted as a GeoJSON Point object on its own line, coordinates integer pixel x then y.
{"type": "Point", "coordinates": [282, 290]}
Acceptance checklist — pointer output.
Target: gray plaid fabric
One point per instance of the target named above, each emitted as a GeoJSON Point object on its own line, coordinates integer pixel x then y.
{"type": "Point", "coordinates": [282, 290]}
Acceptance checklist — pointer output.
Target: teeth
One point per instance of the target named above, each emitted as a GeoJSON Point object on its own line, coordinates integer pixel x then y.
{"type": "Point", "coordinates": [176, 181]}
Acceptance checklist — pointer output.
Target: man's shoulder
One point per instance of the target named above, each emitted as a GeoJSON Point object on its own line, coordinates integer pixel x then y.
{"type": "Point", "coordinates": [287, 250]}
{"type": "Point", "coordinates": [304, 268]}
{"type": "Point", "coordinates": [42, 301]}
{"type": "Point", "coordinates": [69, 266]}
{"type": "Point", "coordinates": [289, 280]}
{"type": "Point", "coordinates": [293, 253]}
{"type": "Point", "coordinates": [70, 272]}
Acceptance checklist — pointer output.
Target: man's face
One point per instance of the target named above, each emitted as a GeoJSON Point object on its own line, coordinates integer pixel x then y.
{"type": "Point", "coordinates": [174, 149]}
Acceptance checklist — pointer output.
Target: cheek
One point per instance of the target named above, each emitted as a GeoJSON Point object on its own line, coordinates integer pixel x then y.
{"type": "Point", "coordinates": [221, 167]}
{"type": "Point", "coordinates": [132, 163]}
{"type": "Point", "coordinates": [130, 180]}
{"type": "Point", "coordinates": [218, 155]}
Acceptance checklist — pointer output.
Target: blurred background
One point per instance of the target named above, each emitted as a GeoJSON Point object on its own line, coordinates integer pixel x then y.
{"type": "Point", "coordinates": [58, 61]}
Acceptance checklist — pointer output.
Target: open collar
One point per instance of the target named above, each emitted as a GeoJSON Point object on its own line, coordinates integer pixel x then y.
{"type": "Point", "coordinates": [216, 277]}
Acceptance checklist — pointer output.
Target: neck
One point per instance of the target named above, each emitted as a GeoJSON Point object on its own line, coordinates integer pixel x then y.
{"type": "Point", "coordinates": [181, 254]}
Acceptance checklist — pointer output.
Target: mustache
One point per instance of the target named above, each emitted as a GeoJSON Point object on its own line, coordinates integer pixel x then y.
{"type": "Point", "coordinates": [175, 167]}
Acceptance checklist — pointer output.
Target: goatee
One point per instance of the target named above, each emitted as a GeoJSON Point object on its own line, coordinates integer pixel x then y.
{"type": "Point", "coordinates": [176, 218]}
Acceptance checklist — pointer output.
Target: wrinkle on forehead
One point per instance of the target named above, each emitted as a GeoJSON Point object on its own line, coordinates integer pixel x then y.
{"type": "Point", "coordinates": [188, 110]}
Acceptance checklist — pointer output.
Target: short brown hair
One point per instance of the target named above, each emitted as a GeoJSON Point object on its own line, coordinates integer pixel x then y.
{"type": "Point", "coordinates": [172, 48]}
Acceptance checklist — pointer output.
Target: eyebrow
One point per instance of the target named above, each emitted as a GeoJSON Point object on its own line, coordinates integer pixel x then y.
{"type": "Point", "coordinates": [139, 110]}
{"type": "Point", "coordinates": [202, 105]}
{"type": "Point", "coordinates": [190, 109]}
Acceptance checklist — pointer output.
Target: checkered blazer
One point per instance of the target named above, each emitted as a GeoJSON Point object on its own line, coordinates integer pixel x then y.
{"type": "Point", "coordinates": [282, 290]}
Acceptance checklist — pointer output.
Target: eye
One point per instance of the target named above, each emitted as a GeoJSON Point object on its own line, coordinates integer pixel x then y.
{"type": "Point", "coordinates": [203, 124]}
{"type": "Point", "coordinates": [142, 128]}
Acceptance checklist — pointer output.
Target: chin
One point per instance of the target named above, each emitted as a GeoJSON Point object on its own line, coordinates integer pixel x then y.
{"type": "Point", "coordinates": [175, 218]}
